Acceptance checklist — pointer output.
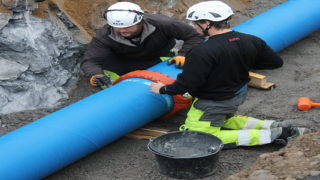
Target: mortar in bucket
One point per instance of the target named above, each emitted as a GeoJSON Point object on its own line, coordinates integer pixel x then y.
{"type": "Point", "coordinates": [186, 154]}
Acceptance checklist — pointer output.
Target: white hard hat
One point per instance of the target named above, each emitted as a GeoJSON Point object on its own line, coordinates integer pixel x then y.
{"type": "Point", "coordinates": [124, 14]}
{"type": "Point", "coordinates": [209, 10]}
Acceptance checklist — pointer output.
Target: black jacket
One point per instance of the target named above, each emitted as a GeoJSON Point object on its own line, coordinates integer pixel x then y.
{"type": "Point", "coordinates": [159, 36]}
{"type": "Point", "coordinates": [218, 68]}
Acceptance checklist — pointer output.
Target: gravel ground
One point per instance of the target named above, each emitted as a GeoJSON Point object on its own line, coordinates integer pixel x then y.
{"type": "Point", "coordinates": [130, 159]}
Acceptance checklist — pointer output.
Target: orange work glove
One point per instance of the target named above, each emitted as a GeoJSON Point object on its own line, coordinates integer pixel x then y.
{"type": "Point", "coordinates": [100, 80]}
{"type": "Point", "coordinates": [179, 60]}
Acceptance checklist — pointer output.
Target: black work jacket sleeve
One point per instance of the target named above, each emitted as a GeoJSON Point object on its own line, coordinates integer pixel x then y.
{"type": "Point", "coordinates": [268, 58]}
{"type": "Point", "coordinates": [195, 73]}
{"type": "Point", "coordinates": [182, 31]}
{"type": "Point", "coordinates": [94, 57]}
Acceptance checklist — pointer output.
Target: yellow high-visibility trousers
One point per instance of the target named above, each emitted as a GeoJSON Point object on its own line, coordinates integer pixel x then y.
{"type": "Point", "coordinates": [242, 130]}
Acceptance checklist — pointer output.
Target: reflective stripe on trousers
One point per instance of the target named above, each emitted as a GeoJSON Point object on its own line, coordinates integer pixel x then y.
{"type": "Point", "coordinates": [244, 131]}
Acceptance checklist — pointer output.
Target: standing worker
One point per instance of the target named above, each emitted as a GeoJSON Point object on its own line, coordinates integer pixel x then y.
{"type": "Point", "coordinates": [216, 74]}
{"type": "Point", "coordinates": [134, 40]}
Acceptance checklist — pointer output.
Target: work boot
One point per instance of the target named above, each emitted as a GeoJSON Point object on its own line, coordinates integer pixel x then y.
{"type": "Point", "coordinates": [275, 133]}
{"type": "Point", "coordinates": [285, 124]}
{"type": "Point", "coordinates": [289, 134]}
{"type": "Point", "coordinates": [296, 132]}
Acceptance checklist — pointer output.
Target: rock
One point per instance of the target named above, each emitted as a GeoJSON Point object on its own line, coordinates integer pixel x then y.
{"type": "Point", "coordinates": [4, 19]}
{"type": "Point", "coordinates": [20, 5]}
{"type": "Point", "coordinates": [41, 60]}
{"type": "Point", "coordinates": [262, 175]}
{"type": "Point", "coordinates": [315, 173]}
{"type": "Point", "coordinates": [314, 163]}
{"type": "Point", "coordinates": [11, 70]}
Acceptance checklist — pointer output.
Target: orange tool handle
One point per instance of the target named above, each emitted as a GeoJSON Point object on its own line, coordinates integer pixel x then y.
{"type": "Point", "coordinates": [315, 104]}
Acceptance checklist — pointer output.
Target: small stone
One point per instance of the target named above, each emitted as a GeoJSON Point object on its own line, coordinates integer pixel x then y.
{"type": "Point", "coordinates": [296, 173]}
{"type": "Point", "coordinates": [262, 175]}
{"type": "Point", "coordinates": [313, 163]}
{"type": "Point", "coordinates": [317, 156]}
{"type": "Point", "coordinates": [264, 156]}
{"type": "Point", "coordinates": [314, 173]}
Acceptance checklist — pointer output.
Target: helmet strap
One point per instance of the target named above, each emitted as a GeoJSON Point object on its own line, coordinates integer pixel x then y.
{"type": "Point", "coordinates": [205, 31]}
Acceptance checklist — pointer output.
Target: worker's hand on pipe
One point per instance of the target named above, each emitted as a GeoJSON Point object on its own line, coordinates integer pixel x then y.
{"type": "Point", "coordinates": [155, 87]}
{"type": "Point", "coordinates": [179, 60]}
{"type": "Point", "coordinates": [101, 80]}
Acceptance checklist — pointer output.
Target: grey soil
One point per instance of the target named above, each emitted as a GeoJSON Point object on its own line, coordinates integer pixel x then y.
{"type": "Point", "coordinates": [130, 159]}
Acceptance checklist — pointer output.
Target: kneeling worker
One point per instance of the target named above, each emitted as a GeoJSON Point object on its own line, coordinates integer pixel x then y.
{"type": "Point", "coordinates": [134, 40]}
{"type": "Point", "coordinates": [216, 75]}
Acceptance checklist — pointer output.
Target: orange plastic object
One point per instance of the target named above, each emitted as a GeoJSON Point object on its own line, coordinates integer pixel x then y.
{"type": "Point", "coordinates": [92, 80]}
{"type": "Point", "coordinates": [305, 104]}
{"type": "Point", "coordinates": [180, 102]}
{"type": "Point", "coordinates": [179, 60]}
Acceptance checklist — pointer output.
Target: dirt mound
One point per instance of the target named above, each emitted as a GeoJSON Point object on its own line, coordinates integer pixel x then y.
{"type": "Point", "coordinates": [87, 15]}
{"type": "Point", "coordinates": [299, 159]}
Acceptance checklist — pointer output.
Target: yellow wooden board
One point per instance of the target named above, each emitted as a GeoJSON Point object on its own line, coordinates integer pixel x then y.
{"type": "Point", "coordinates": [260, 81]}
{"type": "Point", "coordinates": [147, 133]}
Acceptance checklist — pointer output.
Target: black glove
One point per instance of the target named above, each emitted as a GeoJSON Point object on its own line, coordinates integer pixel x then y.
{"type": "Point", "coordinates": [101, 80]}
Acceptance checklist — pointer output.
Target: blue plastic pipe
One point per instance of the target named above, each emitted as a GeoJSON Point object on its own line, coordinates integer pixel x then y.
{"type": "Point", "coordinates": [59, 139]}
{"type": "Point", "coordinates": [284, 24]}
{"type": "Point", "coordinates": [40, 148]}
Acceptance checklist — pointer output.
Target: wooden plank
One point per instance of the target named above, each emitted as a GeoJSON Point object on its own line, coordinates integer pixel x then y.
{"type": "Point", "coordinates": [257, 80]}
{"type": "Point", "coordinates": [266, 86]}
{"type": "Point", "coordinates": [260, 81]}
{"type": "Point", "coordinates": [147, 133]}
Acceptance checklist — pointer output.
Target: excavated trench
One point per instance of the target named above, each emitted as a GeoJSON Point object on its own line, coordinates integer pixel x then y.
{"type": "Point", "coordinates": [130, 159]}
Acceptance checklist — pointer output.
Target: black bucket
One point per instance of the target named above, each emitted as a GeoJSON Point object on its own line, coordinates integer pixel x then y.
{"type": "Point", "coordinates": [186, 154]}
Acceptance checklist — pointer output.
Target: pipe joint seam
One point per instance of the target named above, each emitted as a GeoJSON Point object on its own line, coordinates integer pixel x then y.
{"type": "Point", "coordinates": [180, 102]}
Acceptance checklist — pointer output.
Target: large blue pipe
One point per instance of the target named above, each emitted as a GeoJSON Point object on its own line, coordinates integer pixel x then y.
{"type": "Point", "coordinates": [57, 140]}
{"type": "Point", "coordinates": [284, 24]}
{"type": "Point", "coordinates": [40, 148]}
